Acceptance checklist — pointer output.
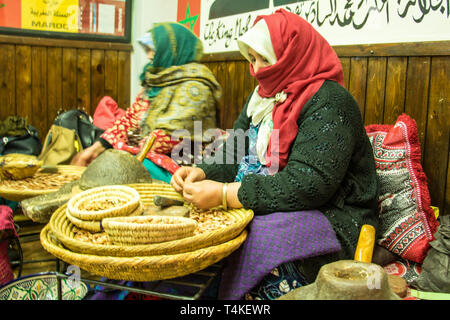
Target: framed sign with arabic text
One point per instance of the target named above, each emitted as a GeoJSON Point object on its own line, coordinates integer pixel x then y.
{"type": "Point", "coordinates": [341, 22]}
{"type": "Point", "coordinates": [96, 20]}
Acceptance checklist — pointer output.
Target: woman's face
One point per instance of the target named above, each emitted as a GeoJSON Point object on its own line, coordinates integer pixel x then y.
{"type": "Point", "coordinates": [150, 54]}
{"type": "Point", "coordinates": [257, 60]}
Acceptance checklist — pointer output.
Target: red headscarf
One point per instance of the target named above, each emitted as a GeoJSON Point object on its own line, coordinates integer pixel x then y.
{"type": "Point", "coordinates": [304, 61]}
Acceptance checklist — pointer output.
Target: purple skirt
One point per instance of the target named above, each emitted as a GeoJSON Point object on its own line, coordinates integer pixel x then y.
{"type": "Point", "coordinates": [275, 239]}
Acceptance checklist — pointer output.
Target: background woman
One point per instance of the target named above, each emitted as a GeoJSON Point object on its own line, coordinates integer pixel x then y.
{"type": "Point", "coordinates": [177, 90]}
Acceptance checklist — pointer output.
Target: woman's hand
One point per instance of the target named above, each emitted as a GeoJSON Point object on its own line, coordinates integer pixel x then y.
{"type": "Point", "coordinates": [208, 194]}
{"type": "Point", "coordinates": [204, 194]}
{"type": "Point", "coordinates": [186, 175]}
{"type": "Point", "coordinates": [85, 157]}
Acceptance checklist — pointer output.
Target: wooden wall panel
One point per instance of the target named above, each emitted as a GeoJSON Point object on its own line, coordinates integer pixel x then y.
{"type": "Point", "coordinates": [417, 86]}
{"type": "Point", "coordinates": [124, 86]}
{"type": "Point", "coordinates": [69, 83]}
{"type": "Point", "coordinates": [23, 82]}
{"type": "Point", "coordinates": [230, 107]}
{"type": "Point", "coordinates": [39, 77]}
{"type": "Point", "coordinates": [250, 84]}
{"type": "Point", "coordinates": [394, 103]}
{"type": "Point", "coordinates": [358, 81]}
{"type": "Point", "coordinates": [221, 77]}
{"type": "Point", "coordinates": [97, 76]}
{"type": "Point", "coordinates": [7, 81]}
{"type": "Point", "coordinates": [345, 63]}
{"type": "Point", "coordinates": [111, 75]}
{"type": "Point", "coordinates": [54, 80]}
{"type": "Point", "coordinates": [241, 69]}
{"type": "Point", "coordinates": [375, 90]}
{"type": "Point", "coordinates": [438, 131]}
{"type": "Point", "coordinates": [39, 88]}
{"type": "Point", "coordinates": [84, 79]}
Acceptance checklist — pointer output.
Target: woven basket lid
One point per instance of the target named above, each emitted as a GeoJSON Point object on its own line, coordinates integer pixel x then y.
{"type": "Point", "coordinates": [127, 198]}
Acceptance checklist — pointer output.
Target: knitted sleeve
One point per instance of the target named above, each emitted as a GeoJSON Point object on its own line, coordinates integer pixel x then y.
{"type": "Point", "coordinates": [317, 164]}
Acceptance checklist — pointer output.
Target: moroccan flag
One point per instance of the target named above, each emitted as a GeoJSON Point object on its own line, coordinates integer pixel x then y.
{"type": "Point", "coordinates": [188, 14]}
{"type": "Point", "coordinates": [10, 13]}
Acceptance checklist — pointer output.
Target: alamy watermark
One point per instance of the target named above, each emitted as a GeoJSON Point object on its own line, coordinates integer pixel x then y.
{"type": "Point", "coordinates": [373, 277]}
{"type": "Point", "coordinates": [74, 280]}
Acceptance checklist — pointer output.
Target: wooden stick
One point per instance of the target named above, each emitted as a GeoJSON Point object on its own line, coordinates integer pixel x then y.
{"type": "Point", "coordinates": [146, 147]}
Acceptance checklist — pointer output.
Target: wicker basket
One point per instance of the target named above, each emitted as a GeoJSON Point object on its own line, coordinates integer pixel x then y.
{"type": "Point", "coordinates": [65, 230]}
{"type": "Point", "coordinates": [25, 191]}
{"type": "Point", "coordinates": [107, 193]}
{"type": "Point", "coordinates": [17, 166]}
{"type": "Point", "coordinates": [142, 268]}
{"type": "Point", "coordinates": [148, 229]}
{"type": "Point", "coordinates": [92, 226]}
{"type": "Point", "coordinates": [96, 226]}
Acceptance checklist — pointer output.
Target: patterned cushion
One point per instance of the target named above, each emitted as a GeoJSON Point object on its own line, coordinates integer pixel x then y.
{"type": "Point", "coordinates": [407, 222]}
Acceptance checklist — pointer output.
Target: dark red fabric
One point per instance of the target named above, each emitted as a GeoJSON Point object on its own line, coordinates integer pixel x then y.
{"type": "Point", "coordinates": [304, 61]}
{"type": "Point", "coordinates": [6, 224]}
{"type": "Point", "coordinates": [106, 113]}
{"type": "Point", "coordinates": [6, 273]}
{"type": "Point", "coordinates": [7, 221]}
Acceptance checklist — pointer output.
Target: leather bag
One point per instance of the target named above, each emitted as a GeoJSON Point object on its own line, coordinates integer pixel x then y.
{"type": "Point", "coordinates": [27, 143]}
{"type": "Point", "coordinates": [81, 123]}
{"type": "Point", "coordinates": [60, 146]}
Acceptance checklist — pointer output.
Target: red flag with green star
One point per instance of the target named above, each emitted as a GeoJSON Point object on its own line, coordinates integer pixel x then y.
{"type": "Point", "coordinates": [188, 14]}
{"type": "Point", "coordinates": [10, 14]}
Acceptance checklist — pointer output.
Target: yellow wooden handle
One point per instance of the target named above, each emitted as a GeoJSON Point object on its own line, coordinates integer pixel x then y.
{"type": "Point", "coordinates": [77, 146]}
{"type": "Point", "coordinates": [366, 243]}
{"type": "Point", "coordinates": [146, 147]}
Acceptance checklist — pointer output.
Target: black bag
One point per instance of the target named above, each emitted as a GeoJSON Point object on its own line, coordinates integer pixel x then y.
{"type": "Point", "coordinates": [79, 121]}
{"type": "Point", "coordinates": [28, 143]}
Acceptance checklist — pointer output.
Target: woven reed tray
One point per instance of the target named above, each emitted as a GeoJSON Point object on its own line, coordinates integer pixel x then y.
{"type": "Point", "coordinates": [38, 184]}
{"type": "Point", "coordinates": [95, 226]}
{"type": "Point", "coordinates": [148, 229]}
{"type": "Point", "coordinates": [142, 268]}
{"type": "Point", "coordinates": [124, 201]}
{"type": "Point", "coordinates": [64, 230]}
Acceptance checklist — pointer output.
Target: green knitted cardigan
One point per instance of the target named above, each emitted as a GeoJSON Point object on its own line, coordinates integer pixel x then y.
{"type": "Point", "coordinates": [331, 168]}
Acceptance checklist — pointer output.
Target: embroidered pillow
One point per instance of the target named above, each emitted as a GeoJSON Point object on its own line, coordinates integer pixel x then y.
{"type": "Point", "coordinates": [407, 221]}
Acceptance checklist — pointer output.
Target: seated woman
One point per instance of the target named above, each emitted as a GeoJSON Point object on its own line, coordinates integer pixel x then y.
{"type": "Point", "coordinates": [177, 90]}
{"type": "Point", "coordinates": [308, 171]}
